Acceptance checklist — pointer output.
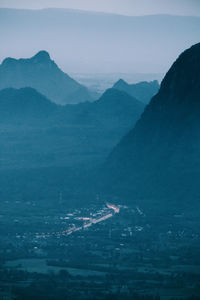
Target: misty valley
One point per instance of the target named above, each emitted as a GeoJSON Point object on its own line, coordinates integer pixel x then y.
{"type": "Point", "coordinates": [99, 172]}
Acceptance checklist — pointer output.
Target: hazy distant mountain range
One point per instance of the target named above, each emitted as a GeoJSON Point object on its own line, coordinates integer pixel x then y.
{"type": "Point", "coordinates": [159, 158]}
{"type": "Point", "coordinates": [95, 42]}
{"type": "Point", "coordinates": [42, 73]}
{"type": "Point", "coordinates": [36, 132]}
{"type": "Point", "coordinates": [99, 82]}
{"type": "Point", "coordinates": [143, 91]}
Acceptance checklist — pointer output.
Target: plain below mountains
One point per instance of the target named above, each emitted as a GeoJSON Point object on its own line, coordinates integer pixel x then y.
{"type": "Point", "coordinates": [159, 159]}
{"type": "Point", "coordinates": [36, 132]}
{"type": "Point", "coordinates": [42, 74]}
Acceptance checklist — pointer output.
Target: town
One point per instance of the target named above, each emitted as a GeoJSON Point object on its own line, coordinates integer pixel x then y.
{"type": "Point", "coordinates": [111, 249]}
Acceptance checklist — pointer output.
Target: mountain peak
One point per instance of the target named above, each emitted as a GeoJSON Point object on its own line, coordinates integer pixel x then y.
{"type": "Point", "coordinates": [42, 73]}
{"type": "Point", "coordinates": [42, 56]}
{"type": "Point", "coordinates": [120, 82]}
{"type": "Point", "coordinates": [8, 61]}
{"type": "Point", "coordinates": [184, 75]}
{"type": "Point", "coordinates": [142, 91]}
{"type": "Point", "coordinates": [116, 96]}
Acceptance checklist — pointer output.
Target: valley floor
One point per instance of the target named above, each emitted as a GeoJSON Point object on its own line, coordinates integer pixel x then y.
{"type": "Point", "coordinates": [124, 256]}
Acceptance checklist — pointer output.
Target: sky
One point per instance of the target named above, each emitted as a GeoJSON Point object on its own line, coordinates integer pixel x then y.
{"type": "Point", "coordinates": [125, 7]}
{"type": "Point", "coordinates": [100, 43]}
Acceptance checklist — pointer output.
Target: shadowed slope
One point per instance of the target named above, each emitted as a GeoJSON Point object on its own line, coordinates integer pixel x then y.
{"type": "Point", "coordinates": [160, 156]}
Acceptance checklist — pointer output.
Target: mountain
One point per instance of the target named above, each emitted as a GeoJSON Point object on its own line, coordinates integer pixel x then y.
{"type": "Point", "coordinates": [24, 105]}
{"type": "Point", "coordinates": [159, 159]}
{"type": "Point", "coordinates": [42, 74]}
{"type": "Point", "coordinates": [143, 91]}
{"type": "Point", "coordinates": [38, 133]}
{"type": "Point", "coordinates": [116, 107]}
{"type": "Point", "coordinates": [90, 42]}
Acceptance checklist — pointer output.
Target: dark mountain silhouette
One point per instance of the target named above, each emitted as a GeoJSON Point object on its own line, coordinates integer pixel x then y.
{"type": "Point", "coordinates": [159, 159]}
{"type": "Point", "coordinates": [143, 91]}
{"type": "Point", "coordinates": [36, 132]}
{"type": "Point", "coordinates": [42, 74]}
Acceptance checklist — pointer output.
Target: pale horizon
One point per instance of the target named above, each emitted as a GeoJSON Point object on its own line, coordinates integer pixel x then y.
{"type": "Point", "coordinates": [98, 36]}
{"type": "Point", "coordinates": [125, 7]}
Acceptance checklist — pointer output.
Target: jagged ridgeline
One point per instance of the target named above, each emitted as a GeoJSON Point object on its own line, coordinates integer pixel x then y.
{"type": "Point", "coordinates": [143, 91]}
{"type": "Point", "coordinates": [42, 74]}
{"type": "Point", "coordinates": [160, 158]}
